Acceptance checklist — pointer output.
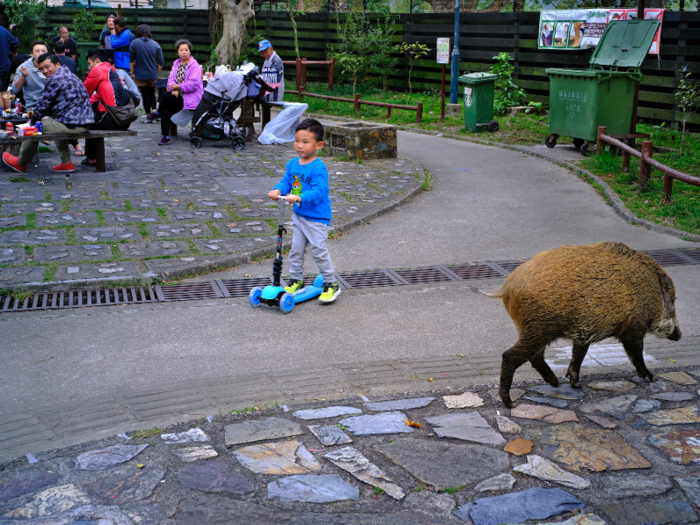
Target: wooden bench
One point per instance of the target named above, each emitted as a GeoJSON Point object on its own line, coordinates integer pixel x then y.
{"type": "Point", "coordinates": [97, 134]}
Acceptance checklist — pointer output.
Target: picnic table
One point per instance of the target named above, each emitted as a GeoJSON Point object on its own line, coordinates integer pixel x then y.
{"type": "Point", "coordinates": [97, 134]}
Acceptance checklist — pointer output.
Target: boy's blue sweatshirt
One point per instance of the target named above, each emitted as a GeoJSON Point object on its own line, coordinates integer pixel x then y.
{"type": "Point", "coordinates": [311, 182]}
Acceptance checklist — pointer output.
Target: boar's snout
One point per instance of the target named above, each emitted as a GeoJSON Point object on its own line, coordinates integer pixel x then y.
{"type": "Point", "coordinates": [676, 334]}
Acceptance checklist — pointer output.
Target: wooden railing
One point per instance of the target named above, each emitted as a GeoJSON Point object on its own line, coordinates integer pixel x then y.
{"type": "Point", "coordinates": [357, 101]}
{"type": "Point", "coordinates": [647, 162]}
{"type": "Point", "coordinates": [301, 63]}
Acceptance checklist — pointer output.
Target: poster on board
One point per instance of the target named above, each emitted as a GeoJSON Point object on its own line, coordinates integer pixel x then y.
{"type": "Point", "coordinates": [443, 50]}
{"type": "Point", "coordinates": [582, 28]}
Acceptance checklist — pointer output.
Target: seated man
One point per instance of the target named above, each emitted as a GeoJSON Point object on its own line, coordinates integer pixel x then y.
{"type": "Point", "coordinates": [105, 88]}
{"type": "Point", "coordinates": [59, 48]}
{"type": "Point", "coordinates": [63, 108]}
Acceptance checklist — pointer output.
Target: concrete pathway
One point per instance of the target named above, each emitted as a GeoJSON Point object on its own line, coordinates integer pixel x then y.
{"type": "Point", "coordinates": [506, 206]}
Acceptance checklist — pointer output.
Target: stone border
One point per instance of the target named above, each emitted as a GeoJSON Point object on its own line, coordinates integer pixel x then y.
{"type": "Point", "coordinates": [610, 196]}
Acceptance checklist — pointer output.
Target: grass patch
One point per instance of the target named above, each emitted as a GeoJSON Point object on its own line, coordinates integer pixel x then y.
{"type": "Point", "coordinates": [341, 158]}
{"type": "Point", "coordinates": [427, 180]}
{"type": "Point", "coordinates": [162, 214]}
{"type": "Point", "coordinates": [143, 230]}
{"type": "Point", "coordinates": [101, 221]}
{"type": "Point", "coordinates": [31, 221]}
{"type": "Point", "coordinates": [115, 251]}
{"type": "Point", "coordinates": [65, 206]}
{"type": "Point", "coordinates": [519, 129]}
{"type": "Point", "coordinates": [21, 179]}
{"type": "Point", "coordinates": [50, 271]}
{"type": "Point", "coordinates": [19, 294]}
{"type": "Point", "coordinates": [683, 212]}
{"type": "Point", "coordinates": [127, 205]}
{"type": "Point", "coordinates": [452, 490]}
{"type": "Point", "coordinates": [143, 434]}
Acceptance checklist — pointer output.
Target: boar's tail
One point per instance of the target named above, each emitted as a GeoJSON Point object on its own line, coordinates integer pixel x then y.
{"type": "Point", "coordinates": [496, 295]}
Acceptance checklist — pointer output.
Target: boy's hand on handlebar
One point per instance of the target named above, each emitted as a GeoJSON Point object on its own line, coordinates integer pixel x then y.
{"type": "Point", "coordinates": [291, 199]}
{"type": "Point", "coordinates": [274, 194]}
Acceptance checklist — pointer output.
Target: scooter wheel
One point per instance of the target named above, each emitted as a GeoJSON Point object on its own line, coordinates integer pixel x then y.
{"type": "Point", "coordinates": [254, 296]}
{"type": "Point", "coordinates": [195, 143]}
{"type": "Point", "coordinates": [286, 302]}
{"type": "Point", "coordinates": [238, 143]}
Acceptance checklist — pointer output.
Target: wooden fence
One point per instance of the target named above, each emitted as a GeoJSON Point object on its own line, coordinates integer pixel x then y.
{"type": "Point", "coordinates": [167, 26]}
{"type": "Point", "coordinates": [483, 35]}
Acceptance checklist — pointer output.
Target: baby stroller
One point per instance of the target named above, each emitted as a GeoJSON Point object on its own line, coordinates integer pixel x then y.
{"type": "Point", "coordinates": [216, 121]}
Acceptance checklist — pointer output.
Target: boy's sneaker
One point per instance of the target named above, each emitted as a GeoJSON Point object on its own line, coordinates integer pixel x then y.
{"type": "Point", "coordinates": [64, 167]}
{"type": "Point", "coordinates": [152, 117]}
{"type": "Point", "coordinates": [295, 286]}
{"type": "Point", "coordinates": [165, 141]}
{"type": "Point", "coordinates": [330, 292]}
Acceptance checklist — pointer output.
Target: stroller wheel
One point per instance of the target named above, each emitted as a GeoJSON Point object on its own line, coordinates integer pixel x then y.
{"type": "Point", "coordinates": [196, 142]}
{"type": "Point", "coordinates": [238, 143]}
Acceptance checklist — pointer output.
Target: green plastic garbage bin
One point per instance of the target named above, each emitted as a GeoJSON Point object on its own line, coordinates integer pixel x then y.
{"type": "Point", "coordinates": [478, 101]}
{"type": "Point", "coordinates": [582, 100]}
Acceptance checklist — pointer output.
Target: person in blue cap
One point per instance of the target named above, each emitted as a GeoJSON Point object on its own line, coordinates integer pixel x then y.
{"type": "Point", "coordinates": [272, 71]}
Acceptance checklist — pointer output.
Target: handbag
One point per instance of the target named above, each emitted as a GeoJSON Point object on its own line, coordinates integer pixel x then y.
{"type": "Point", "coordinates": [123, 115]}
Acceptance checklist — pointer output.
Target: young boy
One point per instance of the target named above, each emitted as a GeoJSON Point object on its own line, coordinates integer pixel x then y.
{"type": "Point", "coordinates": [307, 179]}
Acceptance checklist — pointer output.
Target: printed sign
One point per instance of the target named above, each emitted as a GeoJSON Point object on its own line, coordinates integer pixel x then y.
{"type": "Point", "coordinates": [443, 50]}
{"type": "Point", "coordinates": [582, 28]}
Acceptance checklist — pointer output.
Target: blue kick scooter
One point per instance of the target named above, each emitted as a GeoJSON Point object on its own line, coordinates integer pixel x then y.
{"type": "Point", "coordinates": [276, 295]}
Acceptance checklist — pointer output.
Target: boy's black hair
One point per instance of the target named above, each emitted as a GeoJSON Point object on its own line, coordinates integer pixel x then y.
{"type": "Point", "coordinates": [312, 125]}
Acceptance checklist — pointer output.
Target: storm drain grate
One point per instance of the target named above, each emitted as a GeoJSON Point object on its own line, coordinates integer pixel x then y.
{"type": "Point", "coordinates": [242, 287]}
{"type": "Point", "coordinates": [79, 299]}
{"type": "Point", "coordinates": [189, 292]}
{"type": "Point", "coordinates": [424, 275]}
{"type": "Point", "coordinates": [368, 279]}
{"type": "Point", "coordinates": [668, 257]}
{"type": "Point", "coordinates": [475, 271]}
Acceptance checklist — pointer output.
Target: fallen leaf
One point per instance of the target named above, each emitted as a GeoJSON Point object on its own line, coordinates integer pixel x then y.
{"type": "Point", "coordinates": [412, 424]}
{"type": "Point", "coordinates": [140, 465]}
{"type": "Point", "coordinates": [247, 275]}
{"type": "Point", "coordinates": [176, 200]}
{"type": "Point", "coordinates": [431, 379]}
{"type": "Point", "coordinates": [231, 224]}
{"type": "Point", "coordinates": [672, 360]}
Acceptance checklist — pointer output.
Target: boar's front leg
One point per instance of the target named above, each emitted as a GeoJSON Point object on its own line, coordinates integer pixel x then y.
{"type": "Point", "coordinates": [578, 352]}
{"type": "Point", "coordinates": [633, 342]}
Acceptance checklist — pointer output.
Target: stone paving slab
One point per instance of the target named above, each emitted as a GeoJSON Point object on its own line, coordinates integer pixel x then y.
{"type": "Point", "coordinates": [131, 217]}
{"type": "Point", "coordinates": [235, 245]}
{"type": "Point", "coordinates": [34, 207]}
{"type": "Point", "coordinates": [179, 231]}
{"type": "Point", "coordinates": [21, 274]}
{"type": "Point", "coordinates": [66, 219]}
{"type": "Point", "coordinates": [11, 222]}
{"type": "Point", "coordinates": [196, 215]}
{"type": "Point", "coordinates": [154, 249]}
{"type": "Point", "coordinates": [108, 234]}
{"type": "Point", "coordinates": [243, 227]}
{"type": "Point", "coordinates": [14, 255]}
{"type": "Point", "coordinates": [57, 236]}
{"type": "Point", "coordinates": [123, 270]}
{"type": "Point", "coordinates": [63, 254]}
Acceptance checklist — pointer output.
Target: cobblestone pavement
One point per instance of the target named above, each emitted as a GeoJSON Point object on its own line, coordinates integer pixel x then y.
{"type": "Point", "coordinates": [166, 211]}
{"type": "Point", "coordinates": [619, 451]}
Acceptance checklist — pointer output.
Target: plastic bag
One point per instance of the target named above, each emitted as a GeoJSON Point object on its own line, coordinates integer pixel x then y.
{"type": "Point", "coordinates": [281, 128]}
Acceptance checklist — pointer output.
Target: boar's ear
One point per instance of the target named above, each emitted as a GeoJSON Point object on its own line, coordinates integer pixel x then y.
{"type": "Point", "coordinates": [667, 288]}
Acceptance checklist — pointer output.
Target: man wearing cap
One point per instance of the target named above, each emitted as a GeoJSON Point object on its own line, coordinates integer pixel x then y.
{"type": "Point", "coordinates": [272, 71]}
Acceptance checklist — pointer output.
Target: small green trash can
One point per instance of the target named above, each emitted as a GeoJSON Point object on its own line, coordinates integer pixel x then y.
{"type": "Point", "coordinates": [478, 101]}
{"type": "Point", "coordinates": [582, 100]}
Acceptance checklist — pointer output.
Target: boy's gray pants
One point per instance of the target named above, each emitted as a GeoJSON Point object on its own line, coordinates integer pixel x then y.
{"type": "Point", "coordinates": [315, 235]}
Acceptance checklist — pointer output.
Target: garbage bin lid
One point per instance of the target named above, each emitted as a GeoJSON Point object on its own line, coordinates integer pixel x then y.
{"type": "Point", "coordinates": [476, 78]}
{"type": "Point", "coordinates": [625, 43]}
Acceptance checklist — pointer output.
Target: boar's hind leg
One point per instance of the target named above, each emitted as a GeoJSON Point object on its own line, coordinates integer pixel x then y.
{"type": "Point", "coordinates": [511, 360]}
{"type": "Point", "coordinates": [578, 355]}
{"type": "Point", "coordinates": [633, 342]}
{"type": "Point", "coordinates": [539, 364]}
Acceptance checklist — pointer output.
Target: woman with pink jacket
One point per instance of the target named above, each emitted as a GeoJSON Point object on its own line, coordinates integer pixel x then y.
{"type": "Point", "coordinates": [184, 90]}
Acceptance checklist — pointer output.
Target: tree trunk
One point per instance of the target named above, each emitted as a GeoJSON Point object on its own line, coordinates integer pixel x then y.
{"type": "Point", "coordinates": [235, 17]}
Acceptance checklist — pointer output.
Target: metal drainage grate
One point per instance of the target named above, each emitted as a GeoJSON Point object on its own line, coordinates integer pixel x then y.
{"type": "Point", "coordinates": [476, 271]}
{"type": "Point", "coordinates": [369, 279]}
{"type": "Point", "coordinates": [693, 255]}
{"type": "Point", "coordinates": [242, 287]}
{"type": "Point", "coordinates": [668, 257]}
{"type": "Point", "coordinates": [189, 292]}
{"type": "Point", "coordinates": [425, 275]}
{"type": "Point", "coordinates": [79, 299]}
{"type": "Point", "coordinates": [509, 266]}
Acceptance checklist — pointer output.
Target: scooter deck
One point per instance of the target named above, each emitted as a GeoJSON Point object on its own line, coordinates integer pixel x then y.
{"type": "Point", "coordinates": [309, 293]}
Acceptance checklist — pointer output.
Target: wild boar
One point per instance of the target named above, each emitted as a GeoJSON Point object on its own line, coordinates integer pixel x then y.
{"type": "Point", "coordinates": [585, 294]}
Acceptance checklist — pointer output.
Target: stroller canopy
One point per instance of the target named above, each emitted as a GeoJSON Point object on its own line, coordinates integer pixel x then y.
{"type": "Point", "coordinates": [227, 85]}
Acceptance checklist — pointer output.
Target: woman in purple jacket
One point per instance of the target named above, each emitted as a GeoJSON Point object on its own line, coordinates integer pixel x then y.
{"type": "Point", "coordinates": [184, 90]}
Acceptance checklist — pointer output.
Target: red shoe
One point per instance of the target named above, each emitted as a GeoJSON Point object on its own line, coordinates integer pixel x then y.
{"type": "Point", "coordinates": [64, 167]}
{"type": "Point", "coordinates": [12, 162]}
